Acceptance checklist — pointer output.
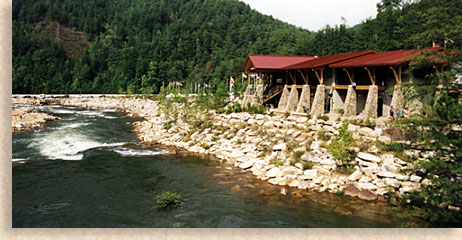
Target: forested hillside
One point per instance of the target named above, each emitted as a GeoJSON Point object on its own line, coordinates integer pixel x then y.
{"type": "Point", "coordinates": [111, 46]}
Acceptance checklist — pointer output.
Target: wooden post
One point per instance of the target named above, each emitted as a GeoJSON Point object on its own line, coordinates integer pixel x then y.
{"type": "Point", "coordinates": [294, 79]}
{"type": "Point", "coordinates": [397, 75]}
{"type": "Point", "coordinates": [351, 76]}
{"type": "Point", "coordinates": [320, 77]}
{"type": "Point", "coordinates": [371, 76]}
{"type": "Point", "coordinates": [303, 76]}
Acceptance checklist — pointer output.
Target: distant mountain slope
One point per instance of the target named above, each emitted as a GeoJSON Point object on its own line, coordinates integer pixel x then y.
{"type": "Point", "coordinates": [138, 45]}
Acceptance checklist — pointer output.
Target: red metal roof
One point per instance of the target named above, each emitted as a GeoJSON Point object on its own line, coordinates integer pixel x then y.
{"type": "Point", "coordinates": [261, 62]}
{"type": "Point", "coordinates": [390, 58]}
{"type": "Point", "coordinates": [326, 60]}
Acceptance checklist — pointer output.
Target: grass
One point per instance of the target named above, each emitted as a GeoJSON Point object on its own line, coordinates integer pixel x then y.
{"type": "Point", "coordinates": [168, 199]}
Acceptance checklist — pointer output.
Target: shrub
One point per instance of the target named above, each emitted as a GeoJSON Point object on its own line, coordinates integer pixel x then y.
{"type": "Point", "coordinates": [286, 114]}
{"type": "Point", "coordinates": [323, 136]}
{"type": "Point", "coordinates": [341, 111]}
{"type": "Point", "coordinates": [340, 146]}
{"type": "Point", "coordinates": [323, 117]}
{"type": "Point", "coordinates": [276, 162]}
{"type": "Point", "coordinates": [168, 199]}
{"type": "Point", "coordinates": [307, 164]}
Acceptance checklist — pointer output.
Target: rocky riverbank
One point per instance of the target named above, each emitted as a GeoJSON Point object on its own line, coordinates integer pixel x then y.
{"type": "Point", "coordinates": [273, 148]}
{"type": "Point", "coordinates": [26, 119]}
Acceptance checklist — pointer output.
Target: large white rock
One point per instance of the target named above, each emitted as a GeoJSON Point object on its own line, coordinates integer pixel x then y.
{"type": "Point", "coordinates": [316, 145]}
{"type": "Point", "coordinates": [280, 147]}
{"type": "Point", "coordinates": [318, 180]}
{"type": "Point", "coordinates": [368, 186]}
{"type": "Point", "coordinates": [259, 117]}
{"type": "Point", "coordinates": [369, 157]}
{"type": "Point", "coordinates": [268, 124]}
{"type": "Point", "coordinates": [247, 164]}
{"type": "Point", "coordinates": [385, 174]}
{"type": "Point", "coordinates": [392, 182]}
{"type": "Point", "coordinates": [273, 172]}
{"type": "Point", "coordinates": [328, 161]}
{"type": "Point", "coordinates": [355, 176]}
{"type": "Point", "coordinates": [311, 173]}
{"type": "Point", "coordinates": [366, 131]}
{"type": "Point", "coordinates": [415, 178]}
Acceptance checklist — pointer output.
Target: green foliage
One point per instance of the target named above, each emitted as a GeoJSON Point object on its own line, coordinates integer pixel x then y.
{"type": "Point", "coordinates": [323, 117]}
{"type": "Point", "coordinates": [341, 111]}
{"type": "Point", "coordinates": [140, 46]}
{"type": "Point", "coordinates": [323, 135]}
{"type": "Point", "coordinates": [168, 199]}
{"type": "Point", "coordinates": [276, 161]}
{"type": "Point", "coordinates": [341, 145]}
{"type": "Point", "coordinates": [439, 204]}
{"type": "Point", "coordinates": [364, 123]}
{"type": "Point", "coordinates": [259, 109]}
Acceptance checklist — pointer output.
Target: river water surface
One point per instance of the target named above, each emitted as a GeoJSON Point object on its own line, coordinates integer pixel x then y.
{"type": "Point", "coordinates": [79, 173]}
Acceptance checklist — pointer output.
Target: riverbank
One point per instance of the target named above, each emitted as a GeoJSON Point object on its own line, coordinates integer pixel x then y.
{"type": "Point", "coordinates": [287, 151]}
{"type": "Point", "coordinates": [26, 119]}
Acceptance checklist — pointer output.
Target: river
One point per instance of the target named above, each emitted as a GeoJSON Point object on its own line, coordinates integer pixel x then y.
{"type": "Point", "coordinates": [78, 172]}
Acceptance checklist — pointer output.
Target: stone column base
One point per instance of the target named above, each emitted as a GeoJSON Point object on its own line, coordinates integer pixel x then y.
{"type": "Point", "coordinates": [304, 103]}
{"type": "Point", "coordinates": [370, 110]}
{"type": "Point", "coordinates": [350, 103]}
{"type": "Point", "coordinates": [318, 102]}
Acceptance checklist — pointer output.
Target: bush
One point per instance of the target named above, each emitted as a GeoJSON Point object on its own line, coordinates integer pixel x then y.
{"type": "Point", "coordinates": [340, 146]}
{"type": "Point", "coordinates": [323, 117]}
{"type": "Point", "coordinates": [323, 136]}
{"type": "Point", "coordinates": [168, 199]}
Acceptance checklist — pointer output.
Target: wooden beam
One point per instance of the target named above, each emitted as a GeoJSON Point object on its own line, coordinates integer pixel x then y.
{"type": "Point", "coordinates": [342, 87]}
{"type": "Point", "coordinates": [351, 77]}
{"type": "Point", "coordinates": [303, 76]}
{"type": "Point", "coordinates": [397, 75]}
{"type": "Point", "coordinates": [292, 77]}
{"type": "Point", "coordinates": [320, 77]}
{"type": "Point", "coordinates": [297, 86]}
{"type": "Point", "coordinates": [371, 76]}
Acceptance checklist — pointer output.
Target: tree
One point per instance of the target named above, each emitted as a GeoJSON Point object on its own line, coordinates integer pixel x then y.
{"type": "Point", "coordinates": [440, 128]}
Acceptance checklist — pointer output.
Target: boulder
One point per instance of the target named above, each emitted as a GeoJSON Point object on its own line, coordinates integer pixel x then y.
{"type": "Point", "coordinates": [369, 157]}
{"type": "Point", "coordinates": [322, 170]}
{"type": "Point", "coordinates": [260, 122]}
{"type": "Point", "coordinates": [280, 147]}
{"type": "Point", "coordinates": [268, 124]}
{"type": "Point", "coordinates": [367, 195]}
{"type": "Point", "coordinates": [247, 164]}
{"type": "Point", "coordinates": [355, 176]}
{"type": "Point", "coordinates": [366, 185]}
{"type": "Point", "coordinates": [273, 172]}
{"type": "Point", "coordinates": [259, 117]}
{"type": "Point", "coordinates": [392, 182]}
{"type": "Point", "coordinates": [351, 191]}
{"type": "Point", "coordinates": [303, 185]}
{"type": "Point", "coordinates": [316, 145]}
{"type": "Point", "coordinates": [415, 178]}
{"type": "Point", "coordinates": [366, 131]}
{"type": "Point", "coordinates": [311, 173]}
{"type": "Point", "coordinates": [385, 174]}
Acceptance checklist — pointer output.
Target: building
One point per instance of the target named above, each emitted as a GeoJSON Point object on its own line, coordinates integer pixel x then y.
{"type": "Point", "coordinates": [364, 83]}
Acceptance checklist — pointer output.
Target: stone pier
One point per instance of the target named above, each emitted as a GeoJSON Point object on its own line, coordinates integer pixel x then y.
{"type": "Point", "coordinates": [293, 99]}
{"type": "Point", "coordinates": [257, 98]}
{"type": "Point", "coordinates": [350, 102]}
{"type": "Point", "coordinates": [247, 96]}
{"type": "Point", "coordinates": [370, 110]}
{"type": "Point", "coordinates": [397, 99]}
{"type": "Point", "coordinates": [318, 101]}
{"type": "Point", "coordinates": [337, 102]}
{"type": "Point", "coordinates": [305, 99]}
{"type": "Point", "coordinates": [282, 106]}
